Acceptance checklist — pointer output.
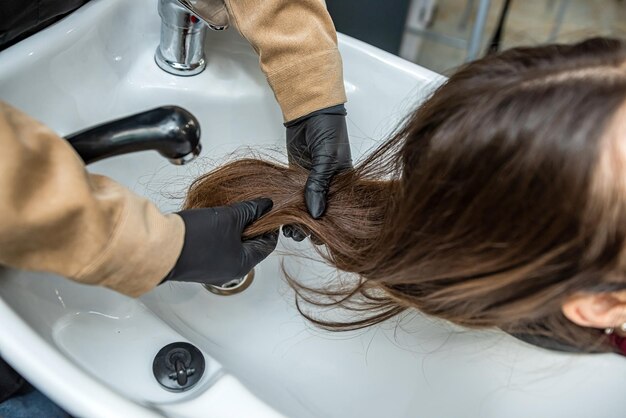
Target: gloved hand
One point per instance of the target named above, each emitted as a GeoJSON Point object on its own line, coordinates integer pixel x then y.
{"type": "Point", "coordinates": [213, 251]}
{"type": "Point", "coordinates": [318, 142]}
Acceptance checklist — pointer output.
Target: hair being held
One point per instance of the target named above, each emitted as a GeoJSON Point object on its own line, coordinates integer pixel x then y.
{"type": "Point", "coordinates": [493, 202]}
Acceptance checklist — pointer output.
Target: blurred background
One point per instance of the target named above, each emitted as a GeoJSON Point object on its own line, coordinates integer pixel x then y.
{"type": "Point", "coordinates": [442, 34]}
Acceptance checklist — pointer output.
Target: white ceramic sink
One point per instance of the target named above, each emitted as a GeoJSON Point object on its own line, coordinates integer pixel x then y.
{"type": "Point", "coordinates": [91, 349]}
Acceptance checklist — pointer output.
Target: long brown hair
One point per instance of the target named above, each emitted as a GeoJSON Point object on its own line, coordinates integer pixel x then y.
{"type": "Point", "coordinates": [496, 200]}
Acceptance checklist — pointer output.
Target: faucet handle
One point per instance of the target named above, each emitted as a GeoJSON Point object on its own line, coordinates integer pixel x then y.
{"type": "Point", "coordinates": [206, 11]}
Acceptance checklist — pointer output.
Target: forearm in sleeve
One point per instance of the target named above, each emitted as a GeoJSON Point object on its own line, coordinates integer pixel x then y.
{"type": "Point", "coordinates": [56, 217]}
{"type": "Point", "coordinates": [297, 46]}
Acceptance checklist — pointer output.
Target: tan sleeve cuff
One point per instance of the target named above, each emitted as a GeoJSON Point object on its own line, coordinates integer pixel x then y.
{"type": "Point", "coordinates": [142, 250]}
{"type": "Point", "coordinates": [309, 84]}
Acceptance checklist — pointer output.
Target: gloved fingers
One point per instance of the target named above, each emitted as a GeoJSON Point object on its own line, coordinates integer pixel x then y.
{"type": "Point", "coordinates": [325, 166]}
{"type": "Point", "coordinates": [319, 142]}
{"type": "Point", "coordinates": [299, 233]}
{"type": "Point", "coordinates": [297, 148]}
{"type": "Point", "coordinates": [315, 240]}
{"type": "Point", "coordinates": [299, 159]}
{"type": "Point", "coordinates": [293, 232]}
{"type": "Point", "coordinates": [330, 151]}
{"type": "Point", "coordinates": [257, 249]}
{"type": "Point", "coordinates": [249, 211]}
{"type": "Point", "coordinates": [317, 185]}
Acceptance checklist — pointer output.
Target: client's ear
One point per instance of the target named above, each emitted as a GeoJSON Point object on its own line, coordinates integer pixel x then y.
{"type": "Point", "coordinates": [596, 310]}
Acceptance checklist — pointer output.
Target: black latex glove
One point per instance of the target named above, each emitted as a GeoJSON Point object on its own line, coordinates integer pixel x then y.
{"type": "Point", "coordinates": [318, 142]}
{"type": "Point", "coordinates": [213, 250]}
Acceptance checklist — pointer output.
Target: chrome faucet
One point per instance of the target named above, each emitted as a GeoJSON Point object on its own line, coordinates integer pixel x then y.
{"type": "Point", "coordinates": [183, 28]}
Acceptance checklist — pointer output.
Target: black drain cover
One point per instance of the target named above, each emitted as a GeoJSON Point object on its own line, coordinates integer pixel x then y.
{"type": "Point", "coordinates": [178, 366]}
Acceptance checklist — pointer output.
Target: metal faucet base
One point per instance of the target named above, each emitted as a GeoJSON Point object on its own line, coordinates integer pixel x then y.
{"type": "Point", "coordinates": [178, 68]}
{"type": "Point", "coordinates": [181, 48]}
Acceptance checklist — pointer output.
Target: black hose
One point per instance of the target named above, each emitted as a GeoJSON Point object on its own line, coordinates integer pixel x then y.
{"type": "Point", "coordinates": [170, 130]}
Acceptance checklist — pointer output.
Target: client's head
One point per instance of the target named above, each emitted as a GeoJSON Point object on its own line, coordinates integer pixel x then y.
{"type": "Point", "coordinates": [501, 202]}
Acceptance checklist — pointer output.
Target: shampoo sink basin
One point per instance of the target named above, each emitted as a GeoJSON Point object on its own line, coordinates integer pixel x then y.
{"type": "Point", "coordinates": [91, 349]}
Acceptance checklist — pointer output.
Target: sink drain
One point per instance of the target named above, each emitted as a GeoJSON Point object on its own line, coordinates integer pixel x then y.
{"type": "Point", "coordinates": [178, 366]}
{"type": "Point", "coordinates": [232, 287]}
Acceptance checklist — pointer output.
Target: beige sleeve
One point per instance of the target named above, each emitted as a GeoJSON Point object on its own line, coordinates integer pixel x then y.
{"type": "Point", "coordinates": [297, 46]}
{"type": "Point", "coordinates": [56, 217]}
